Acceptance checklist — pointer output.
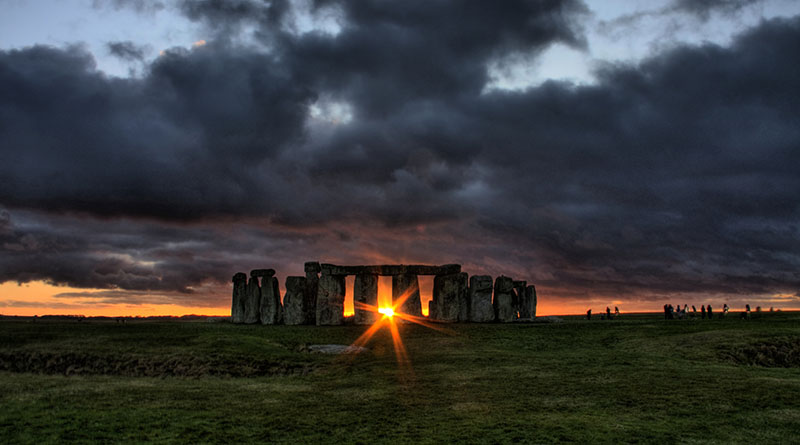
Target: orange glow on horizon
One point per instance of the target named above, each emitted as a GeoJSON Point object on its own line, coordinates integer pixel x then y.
{"type": "Point", "coordinates": [40, 298]}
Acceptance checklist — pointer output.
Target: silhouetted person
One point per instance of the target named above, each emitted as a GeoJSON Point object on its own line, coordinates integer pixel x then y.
{"type": "Point", "coordinates": [710, 312]}
{"type": "Point", "coordinates": [666, 312]}
{"type": "Point", "coordinates": [725, 309]}
{"type": "Point", "coordinates": [616, 311]}
{"type": "Point", "coordinates": [608, 313]}
{"type": "Point", "coordinates": [589, 314]}
{"type": "Point", "coordinates": [702, 312]}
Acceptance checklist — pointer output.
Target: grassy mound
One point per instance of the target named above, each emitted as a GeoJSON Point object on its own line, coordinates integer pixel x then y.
{"type": "Point", "coordinates": [777, 353]}
{"type": "Point", "coordinates": [71, 363]}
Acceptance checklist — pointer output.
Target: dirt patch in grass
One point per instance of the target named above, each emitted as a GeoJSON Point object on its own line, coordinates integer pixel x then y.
{"type": "Point", "coordinates": [149, 366]}
{"type": "Point", "coordinates": [778, 353]}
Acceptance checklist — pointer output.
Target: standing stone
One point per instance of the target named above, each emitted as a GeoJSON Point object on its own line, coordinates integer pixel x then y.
{"type": "Point", "coordinates": [449, 293]}
{"type": "Point", "coordinates": [239, 293]}
{"type": "Point", "coordinates": [432, 311]}
{"type": "Point", "coordinates": [271, 310]}
{"type": "Point", "coordinates": [252, 300]}
{"type": "Point", "coordinates": [294, 301]}
{"type": "Point", "coordinates": [504, 310]}
{"type": "Point", "coordinates": [480, 299]}
{"type": "Point", "coordinates": [312, 269]}
{"type": "Point", "coordinates": [463, 307]}
{"type": "Point", "coordinates": [530, 301]}
{"type": "Point", "coordinates": [365, 292]}
{"type": "Point", "coordinates": [519, 299]}
{"type": "Point", "coordinates": [406, 287]}
{"type": "Point", "coordinates": [330, 300]}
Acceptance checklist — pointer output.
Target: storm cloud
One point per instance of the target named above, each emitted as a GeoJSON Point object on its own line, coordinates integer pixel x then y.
{"type": "Point", "coordinates": [381, 143]}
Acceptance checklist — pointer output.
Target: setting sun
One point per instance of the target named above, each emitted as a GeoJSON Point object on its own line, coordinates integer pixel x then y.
{"type": "Point", "coordinates": [386, 311]}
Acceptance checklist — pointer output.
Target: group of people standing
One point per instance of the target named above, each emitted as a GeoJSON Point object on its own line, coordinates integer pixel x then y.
{"type": "Point", "coordinates": [672, 312]}
{"type": "Point", "coordinates": [606, 316]}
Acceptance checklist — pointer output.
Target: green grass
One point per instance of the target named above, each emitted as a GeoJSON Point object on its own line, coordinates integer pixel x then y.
{"type": "Point", "coordinates": [636, 379]}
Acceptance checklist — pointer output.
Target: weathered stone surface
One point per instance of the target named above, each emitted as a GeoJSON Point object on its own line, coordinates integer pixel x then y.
{"type": "Point", "coordinates": [294, 301]}
{"type": "Point", "coordinates": [270, 308]}
{"type": "Point", "coordinates": [432, 312]}
{"type": "Point", "coordinates": [259, 273]}
{"type": "Point", "coordinates": [365, 293]}
{"type": "Point", "coordinates": [503, 302]}
{"type": "Point", "coordinates": [519, 298]}
{"type": "Point", "coordinates": [392, 269]}
{"type": "Point", "coordinates": [330, 300]}
{"type": "Point", "coordinates": [480, 299]}
{"type": "Point", "coordinates": [312, 267]}
{"type": "Point", "coordinates": [449, 295]}
{"type": "Point", "coordinates": [405, 288]}
{"type": "Point", "coordinates": [252, 300]}
{"type": "Point", "coordinates": [530, 302]}
{"type": "Point", "coordinates": [239, 292]}
{"type": "Point", "coordinates": [312, 286]}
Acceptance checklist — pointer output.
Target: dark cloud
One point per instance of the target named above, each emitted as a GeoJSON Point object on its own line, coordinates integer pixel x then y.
{"type": "Point", "coordinates": [141, 6]}
{"type": "Point", "coordinates": [703, 8]}
{"type": "Point", "coordinates": [127, 50]}
{"type": "Point", "coordinates": [673, 176]}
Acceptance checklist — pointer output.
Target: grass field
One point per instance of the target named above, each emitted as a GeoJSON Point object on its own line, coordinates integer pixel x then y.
{"type": "Point", "coordinates": [634, 379]}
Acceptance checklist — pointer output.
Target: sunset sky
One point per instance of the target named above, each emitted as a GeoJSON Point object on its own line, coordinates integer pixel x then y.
{"type": "Point", "coordinates": [611, 152]}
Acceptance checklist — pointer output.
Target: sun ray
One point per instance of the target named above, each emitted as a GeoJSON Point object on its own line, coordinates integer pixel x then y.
{"type": "Point", "coordinates": [391, 316]}
{"type": "Point", "coordinates": [403, 361]}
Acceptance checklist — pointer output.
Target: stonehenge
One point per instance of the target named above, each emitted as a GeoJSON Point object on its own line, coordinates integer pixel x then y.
{"type": "Point", "coordinates": [365, 297]}
{"type": "Point", "coordinates": [318, 298]}
{"type": "Point", "coordinates": [295, 305]}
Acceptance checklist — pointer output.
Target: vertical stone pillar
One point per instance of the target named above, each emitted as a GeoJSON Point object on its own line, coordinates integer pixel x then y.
{"type": "Point", "coordinates": [294, 301]}
{"type": "Point", "coordinates": [480, 299]}
{"type": "Point", "coordinates": [530, 300]}
{"type": "Point", "coordinates": [519, 300]}
{"type": "Point", "coordinates": [330, 300]}
{"type": "Point", "coordinates": [406, 285]}
{"type": "Point", "coordinates": [503, 302]}
{"type": "Point", "coordinates": [239, 295]}
{"type": "Point", "coordinates": [365, 292]}
{"type": "Point", "coordinates": [449, 294]}
{"type": "Point", "coordinates": [312, 269]}
{"type": "Point", "coordinates": [252, 300]}
{"type": "Point", "coordinates": [433, 312]}
{"type": "Point", "coordinates": [271, 310]}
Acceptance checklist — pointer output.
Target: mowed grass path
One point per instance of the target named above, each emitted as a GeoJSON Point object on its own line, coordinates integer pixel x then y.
{"type": "Point", "coordinates": [635, 379]}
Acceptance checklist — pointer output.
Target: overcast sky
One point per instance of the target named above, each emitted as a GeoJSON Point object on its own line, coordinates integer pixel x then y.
{"type": "Point", "coordinates": [640, 152]}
